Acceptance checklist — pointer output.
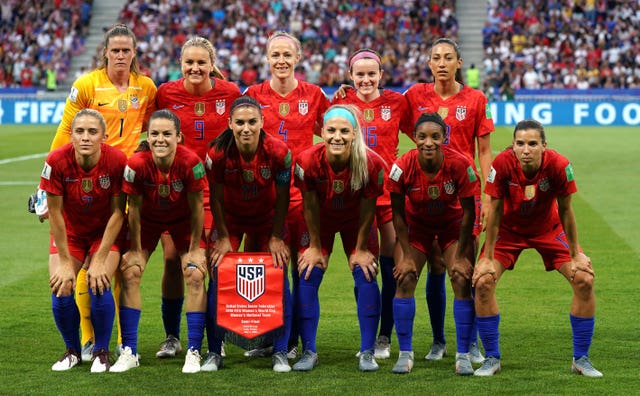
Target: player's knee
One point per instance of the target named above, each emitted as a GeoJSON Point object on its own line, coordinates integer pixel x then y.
{"type": "Point", "coordinates": [407, 286]}
{"type": "Point", "coordinates": [131, 276]}
{"type": "Point", "coordinates": [485, 285]}
{"type": "Point", "coordinates": [583, 282]}
{"type": "Point", "coordinates": [194, 278]}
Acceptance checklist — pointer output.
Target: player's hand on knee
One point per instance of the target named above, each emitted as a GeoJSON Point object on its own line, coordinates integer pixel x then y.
{"type": "Point", "coordinates": [484, 267]}
{"type": "Point", "coordinates": [366, 261]}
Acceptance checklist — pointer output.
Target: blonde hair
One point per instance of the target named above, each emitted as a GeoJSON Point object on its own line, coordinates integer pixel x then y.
{"type": "Point", "coordinates": [358, 157]}
{"type": "Point", "coordinates": [201, 42]}
{"type": "Point", "coordinates": [91, 113]}
{"type": "Point", "coordinates": [281, 34]}
{"type": "Point", "coordinates": [116, 31]}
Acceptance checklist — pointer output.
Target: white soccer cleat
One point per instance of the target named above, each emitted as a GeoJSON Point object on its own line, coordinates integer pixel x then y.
{"type": "Point", "coordinates": [192, 361]}
{"type": "Point", "coordinates": [169, 348]}
{"type": "Point", "coordinates": [126, 361]}
{"type": "Point", "coordinates": [69, 360]}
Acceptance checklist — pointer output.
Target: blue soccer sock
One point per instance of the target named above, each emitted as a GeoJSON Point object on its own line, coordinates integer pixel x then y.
{"type": "Point", "coordinates": [463, 315]}
{"type": "Point", "coordinates": [404, 311]}
{"type": "Point", "coordinates": [582, 329]}
{"type": "Point", "coordinates": [474, 327]}
{"type": "Point", "coordinates": [214, 343]}
{"type": "Point", "coordinates": [129, 320]}
{"type": "Point", "coordinates": [437, 304]}
{"type": "Point", "coordinates": [103, 312]}
{"type": "Point", "coordinates": [488, 327]}
{"type": "Point", "coordinates": [171, 315]}
{"type": "Point", "coordinates": [67, 318]}
{"type": "Point", "coordinates": [386, 295]}
{"type": "Point", "coordinates": [282, 343]}
{"type": "Point", "coordinates": [294, 331]}
{"type": "Point", "coordinates": [195, 329]}
{"type": "Point", "coordinates": [368, 304]}
{"type": "Point", "coordinates": [309, 308]}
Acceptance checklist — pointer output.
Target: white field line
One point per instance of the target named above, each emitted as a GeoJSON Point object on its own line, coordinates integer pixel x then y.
{"type": "Point", "coordinates": [22, 158]}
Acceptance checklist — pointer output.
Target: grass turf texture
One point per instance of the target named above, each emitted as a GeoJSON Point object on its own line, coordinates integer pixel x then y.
{"type": "Point", "coordinates": [535, 330]}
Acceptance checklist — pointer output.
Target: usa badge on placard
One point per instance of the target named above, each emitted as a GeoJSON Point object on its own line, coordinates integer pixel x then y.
{"type": "Point", "coordinates": [338, 186]}
{"type": "Point", "coordinates": [303, 107]}
{"type": "Point", "coordinates": [198, 108]}
{"type": "Point", "coordinates": [250, 281]}
{"type": "Point", "coordinates": [443, 112]}
{"type": "Point", "coordinates": [105, 182]}
{"type": "Point", "coordinates": [385, 112]}
{"type": "Point", "coordinates": [221, 106]}
{"type": "Point", "coordinates": [87, 185]}
{"type": "Point", "coordinates": [122, 105]}
{"type": "Point", "coordinates": [530, 191]}
{"type": "Point", "coordinates": [283, 109]}
{"type": "Point", "coordinates": [461, 113]}
{"type": "Point", "coordinates": [434, 192]}
{"type": "Point", "coordinates": [248, 175]}
{"type": "Point", "coordinates": [368, 115]}
{"type": "Point", "coordinates": [163, 190]}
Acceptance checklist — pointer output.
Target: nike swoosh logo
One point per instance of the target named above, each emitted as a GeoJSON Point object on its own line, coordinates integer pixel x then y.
{"type": "Point", "coordinates": [176, 107]}
{"type": "Point", "coordinates": [414, 189]}
{"type": "Point", "coordinates": [422, 108]}
{"type": "Point", "coordinates": [102, 104]}
{"type": "Point", "coordinates": [264, 106]}
{"type": "Point", "coordinates": [83, 293]}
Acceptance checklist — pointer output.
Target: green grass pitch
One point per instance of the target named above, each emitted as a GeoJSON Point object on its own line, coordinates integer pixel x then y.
{"type": "Point", "coordinates": [535, 331]}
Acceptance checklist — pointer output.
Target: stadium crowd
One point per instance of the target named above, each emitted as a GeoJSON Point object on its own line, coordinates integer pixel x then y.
{"type": "Point", "coordinates": [38, 40]}
{"type": "Point", "coordinates": [578, 44]}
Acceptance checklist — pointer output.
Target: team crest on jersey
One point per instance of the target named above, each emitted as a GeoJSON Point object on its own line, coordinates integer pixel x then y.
{"type": "Point", "coordinates": [135, 103]}
{"type": "Point", "coordinates": [87, 185]}
{"type": "Point", "coordinates": [461, 113]}
{"type": "Point", "coordinates": [544, 185]}
{"type": "Point", "coordinates": [265, 172]}
{"type": "Point", "coordinates": [303, 107]}
{"type": "Point", "coordinates": [248, 175]}
{"type": "Point", "coordinates": [105, 182]}
{"type": "Point", "coordinates": [250, 280]}
{"type": "Point", "coordinates": [443, 112]}
{"type": "Point", "coordinates": [449, 187]}
{"type": "Point", "coordinates": [385, 112]}
{"type": "Point", "coordinates": [338, 186]}
{"type": "Point", "coordinates": [530, 192]}
{"type": "Point", "coordinates": [283, 109]}
{"type": "Point", "coordinates": [163, 190]}
{"type": "Point", "coordinates": [177, 185]}
{"type": "Point", "coordinates": [368, 115]}
{"type": "Point", "coordinates": [122, 105]}
{"type": "Point", "coordinates": [434, 192]}
{"type": "Point", "coordinates": [198, 108]}
{"type": "Point", "coordinates": [221, 106]}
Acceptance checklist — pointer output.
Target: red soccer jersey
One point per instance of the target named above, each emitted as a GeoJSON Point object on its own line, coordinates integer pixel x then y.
{"type": "Point", "coordinates": [530, 205]}
{"type": "Point", "coordinates": [339, 204]}
{"type": "Point", "coordinates": [466, 114]}
{"type": "Point", "coordinates": [164, 198]}
{"type": "Point", "coordinates": [202, 118]}
{"type": "Point", "coordinates": [291, 118]}
{"type": "Point", "coordinates": [433, 202]}
{"type": "Point", "coordinates": [86, 195]}
{"type": "Point", "coordinates": [250, 187]}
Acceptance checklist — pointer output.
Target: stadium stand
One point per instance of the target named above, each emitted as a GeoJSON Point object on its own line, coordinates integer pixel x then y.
{"type": "Point", "coordinates": [37, 35]}
{"type": "Point", "coordinates": [579, 44]}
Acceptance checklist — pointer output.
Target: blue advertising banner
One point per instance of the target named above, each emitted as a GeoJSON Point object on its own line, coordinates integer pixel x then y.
{"type": "Point", "coordinates": [572, 112]}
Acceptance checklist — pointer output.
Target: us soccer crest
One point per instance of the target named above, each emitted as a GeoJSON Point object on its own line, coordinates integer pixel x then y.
{"type": "Point", "coordinates": [434, 192]}
{"type": "Point", "coordinates": [544, 185]}
{"type": "Point", "coordinates": [265, 172]}
{"type": "Point", "coordinates": [283, 109]}
{"type": "Point", "coordinates": [443, 112]}
{"type": "Point", "coordinates": [87, 185]}
{"type": "Point", "coordinates": [221, 106]}
{"type": "Point", "coordinates": [177, 185]}
{"type": "Point", "coordinates": [338, 186]}
{"type": "Point", "coordinates": [461, 113]}
{"type": "Point", "coordinates": [368, 115]}
{"type": "Point", "coordinates": [250, 281]}
{"type": "Point", "coordinates": [105, 182]}
{"type": "Point", "coordinates": [135, 103]}
{"type": "Point", "coordinates": [449, 187]}
{"type": "Point", "coordinates": [248, 175]}
{"type": "Point", "coordinates": [163, 190]}
{"type": "Point", "coordinates": [122, 105]}
{"type": "Point", "coordinates": [530, 191]}
{"type": "Point", "coordinates": [303, 107]}
{"type": "Point", "coordinates": [198, 108]}
{"type": "Point", "coordinates": [385, 112]}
